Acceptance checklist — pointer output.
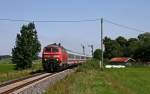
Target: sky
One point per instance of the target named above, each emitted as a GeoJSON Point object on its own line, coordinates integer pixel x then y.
{"type": "Point", "coordinates": [132, 13]}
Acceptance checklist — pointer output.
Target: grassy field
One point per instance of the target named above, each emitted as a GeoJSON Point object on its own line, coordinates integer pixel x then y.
{"type": "Point", "coordinates": [5, 61]}
{"type": "Point", "coordinates": [89, 79]}
{"type": "Point", "coordinates": [8, 72]}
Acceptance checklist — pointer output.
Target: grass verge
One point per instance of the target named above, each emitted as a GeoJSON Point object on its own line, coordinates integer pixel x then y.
{"type": "Point", "coordinates": [89, 79]}
{"type": "Point", "coordinates": [8, 72]}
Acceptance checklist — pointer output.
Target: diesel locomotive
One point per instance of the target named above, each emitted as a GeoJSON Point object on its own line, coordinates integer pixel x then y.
{"type": "Point", "coordinates": [55, 57]}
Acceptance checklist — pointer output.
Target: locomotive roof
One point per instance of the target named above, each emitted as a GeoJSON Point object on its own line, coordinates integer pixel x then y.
{"type": "Point", "coordinates": [68, 51]}
{"type": "Point", "coordinates": [54, 45]}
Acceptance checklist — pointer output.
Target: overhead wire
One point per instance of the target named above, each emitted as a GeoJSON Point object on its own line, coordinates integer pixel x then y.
{"type": "Point", "coordinates": [47, 21]}
{"type": "Point", "coordinates": [70, 21]}
{"type": "Point", "coordinates": [123, 26]}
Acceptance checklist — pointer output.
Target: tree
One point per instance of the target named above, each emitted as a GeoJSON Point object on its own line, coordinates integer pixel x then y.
{"type": "Point", "coordinates": [112, 48]}
{"type": "Point", "coordinates": [132, 46]}
{"type": "Point", "coordinates": [137, 48]}
{"type": "Point", "coordinates": [117, 50]}
{"type": "Point", "coordinates": [144, 36]}
{"type": "Point", "coordinates": [123, 44]}
{"type": "Point", "coordinates": [97, 54]}
{"type": "Point", "coordinates": [108, 48]}
{"type": "Point", "coordinates": [122, 41]}
{"type": "Point", "coordinates": [27, 47]}
{"type": "Point", "coordinates": [143, 51]}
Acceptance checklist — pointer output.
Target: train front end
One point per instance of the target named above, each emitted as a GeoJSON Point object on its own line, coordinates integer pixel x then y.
{"type": "Point", "coordinates": [51, 58]}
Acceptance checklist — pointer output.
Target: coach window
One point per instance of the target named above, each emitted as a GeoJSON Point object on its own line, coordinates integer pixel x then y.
{"type": "Point", "coordinates": [71, 56]}
{"type": "Point", "coordinates": [78, 57]}
{"type": "Point", "coordinates": [82, 57]}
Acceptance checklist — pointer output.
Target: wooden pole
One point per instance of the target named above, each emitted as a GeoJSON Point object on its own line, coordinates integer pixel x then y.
{"type": "Point", "coordinates": [101, 62]}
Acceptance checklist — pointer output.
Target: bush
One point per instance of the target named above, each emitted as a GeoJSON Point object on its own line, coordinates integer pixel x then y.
{"type": "Point", "coordinates": [97, 54]}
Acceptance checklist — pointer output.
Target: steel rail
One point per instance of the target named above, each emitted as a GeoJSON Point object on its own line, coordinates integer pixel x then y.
{"type": "Point", "coordinates": [24, 84]}
{"type": "Point", "coordinates": [19, 79]}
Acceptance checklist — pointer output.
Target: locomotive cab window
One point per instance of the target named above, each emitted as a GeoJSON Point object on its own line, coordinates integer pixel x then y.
{"type": "Point", "coordinates": [47, 49]}
{"type": "Point", "coordinates": [54, 49]}
{"type": "Point", "coordinates": [51, 49]}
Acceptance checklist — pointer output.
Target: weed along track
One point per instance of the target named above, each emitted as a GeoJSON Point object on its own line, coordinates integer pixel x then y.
{"type": "Point", "coordinates": [35, 84]}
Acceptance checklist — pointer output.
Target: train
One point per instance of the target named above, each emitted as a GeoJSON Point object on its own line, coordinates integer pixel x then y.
{"type": "Point", "coordinates": [56, 57]}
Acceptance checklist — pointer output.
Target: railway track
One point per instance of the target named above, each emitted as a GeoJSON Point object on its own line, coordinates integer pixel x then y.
{"type": "Point", "coordinates": [11, 87]}
{"type": "Point", "coordinates": [17, 84]}
{"type": "Point", "coordinates": [19, 79]}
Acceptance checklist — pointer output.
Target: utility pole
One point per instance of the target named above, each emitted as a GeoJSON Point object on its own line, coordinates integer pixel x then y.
{"type": "Point", "coordinates": [83, 47]}
{"type": "Point", "coordinates": [91, 49]}
{"type": "Point", "coordinates": [101, 62]}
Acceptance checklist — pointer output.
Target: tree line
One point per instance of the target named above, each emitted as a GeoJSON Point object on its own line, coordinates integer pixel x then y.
{"type": "Point", "coordinates": [136, 48]}
{"type": "Point", "coordinates": [4, 56]}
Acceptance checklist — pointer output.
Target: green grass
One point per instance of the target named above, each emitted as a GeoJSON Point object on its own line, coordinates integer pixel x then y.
{"type": "Point", "coordinates": [7, 68]}
{"type": "Point", "coordinates": [5, 61]}
{"type": "Point", "coordinates": [8, 72]}
{"type": "Point", "coordinates": [130, 80]}
{"type": "Point", "coordinates": [89, 79]}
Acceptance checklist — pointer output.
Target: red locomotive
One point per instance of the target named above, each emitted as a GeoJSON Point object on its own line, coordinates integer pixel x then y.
{"type": "Point", "coordinates": [55, 57]}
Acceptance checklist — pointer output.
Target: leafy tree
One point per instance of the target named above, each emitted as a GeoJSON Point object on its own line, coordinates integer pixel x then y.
{"type": "Point", "coordinates": [123, 44]}
{"type": "Point", "coordinates": [137, 48]}
{"type": "Point", "coordinates": [131, 40]}
{"type": "Point", "coordinates": [27, 47]}
{"type": "Point", "coordinates": [112, 48]}
{"type": "Point", "coordinates": [144, 36]}
{"type": "Point", "coordinates": [143, 51]}
{"type": "Point", "coordinates": [108, 48]}
{"type": "Point", "coordinates": [132, 46]}
{"type": "Point", "coordinates": [117, 50]}
{"type": "Point", "coordinates": [122, 41]}
{"type": "Point", "coordinates": [97, 54]}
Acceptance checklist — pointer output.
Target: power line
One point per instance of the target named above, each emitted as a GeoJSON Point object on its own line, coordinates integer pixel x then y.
{"type": "Point", "coordinates": [49, 21]}
{"type": "Point", "coordinates": [69, 21]}
{"type": "Point", "coordinates": [15, 20]}
{"type": "Point", "coordinates": [123, 26]}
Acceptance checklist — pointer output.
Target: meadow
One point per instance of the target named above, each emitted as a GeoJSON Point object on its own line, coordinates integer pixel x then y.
{"type": "Point", "coordinates": [8, 72]}
{"type": "Point", "coordinates": [89, 79]}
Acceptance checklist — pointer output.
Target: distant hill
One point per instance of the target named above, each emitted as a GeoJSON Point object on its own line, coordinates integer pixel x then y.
{"type": "Point", "coordinates": [8, 56]}
{"type": "Point", "coordinates": [4, 56]}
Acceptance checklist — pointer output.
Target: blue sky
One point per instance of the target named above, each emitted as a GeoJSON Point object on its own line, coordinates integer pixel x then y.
{"type": "Point", "coordinates": [133, 13]}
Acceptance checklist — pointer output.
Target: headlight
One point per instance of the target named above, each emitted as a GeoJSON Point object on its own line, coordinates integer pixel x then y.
{"type": "Point", "coordinates": [56, 56]}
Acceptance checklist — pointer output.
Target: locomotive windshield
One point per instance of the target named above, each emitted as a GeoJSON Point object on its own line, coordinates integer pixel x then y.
{"type": "Point", "coordinates": [51, 49]}
{"type": "Point", "coordinates": [54, 49]}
